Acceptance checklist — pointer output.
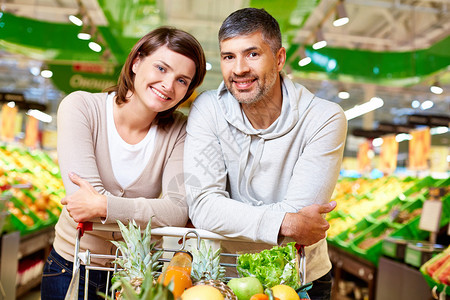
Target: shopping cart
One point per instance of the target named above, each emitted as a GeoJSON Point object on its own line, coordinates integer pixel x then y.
{"type": "Point", "coordinates": [179, 232]}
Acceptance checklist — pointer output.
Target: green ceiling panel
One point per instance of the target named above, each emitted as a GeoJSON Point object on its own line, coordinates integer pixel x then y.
{"type": "Point", "coordinates": [57, 43]}
{"type": "Point", "coordinates": [387, 68]}
{"type": "Point", "coordinates": [54, 41]}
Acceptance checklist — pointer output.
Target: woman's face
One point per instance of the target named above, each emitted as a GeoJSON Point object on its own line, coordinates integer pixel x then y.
{"type": "Point", "coordinates": [162, 79]}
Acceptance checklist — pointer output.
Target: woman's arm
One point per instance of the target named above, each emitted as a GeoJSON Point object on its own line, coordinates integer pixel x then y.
{"type": "Point", "coordinates": [78, 136]}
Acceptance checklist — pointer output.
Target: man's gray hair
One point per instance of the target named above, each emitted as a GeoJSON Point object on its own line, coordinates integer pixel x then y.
{"type": "Point", "coordinates": [249, 20]}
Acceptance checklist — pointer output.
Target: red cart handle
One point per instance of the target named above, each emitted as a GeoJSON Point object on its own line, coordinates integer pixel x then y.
{"type": "Point", "coordinates": [84, 226]}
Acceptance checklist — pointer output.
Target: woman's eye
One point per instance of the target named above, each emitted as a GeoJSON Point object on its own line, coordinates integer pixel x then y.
{"type": "Point", "coordinates": [182, 81]}
{"type": "Point", "coordinates": [160, 68]}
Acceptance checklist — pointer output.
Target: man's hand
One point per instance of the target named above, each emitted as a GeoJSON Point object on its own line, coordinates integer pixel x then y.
{"type": "Point", "coordinates": [308, 225]}
{"type": "Point", "coordinates": [86, 203]}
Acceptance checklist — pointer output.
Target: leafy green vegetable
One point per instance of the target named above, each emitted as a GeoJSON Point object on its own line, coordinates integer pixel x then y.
{"type": "Point", "coordinates": [271, 266]}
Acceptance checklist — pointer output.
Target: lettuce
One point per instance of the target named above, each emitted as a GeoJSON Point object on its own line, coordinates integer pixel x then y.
{"type": "Point", "coordinates": [271, 266]}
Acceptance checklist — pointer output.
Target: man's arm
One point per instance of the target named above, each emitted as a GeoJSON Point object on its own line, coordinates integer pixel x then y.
{"type": "Point", "coordinates": [211, 207]}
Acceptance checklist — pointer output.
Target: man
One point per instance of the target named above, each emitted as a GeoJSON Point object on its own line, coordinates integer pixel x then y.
{"type": "Point", "coordinates": [264, 152]}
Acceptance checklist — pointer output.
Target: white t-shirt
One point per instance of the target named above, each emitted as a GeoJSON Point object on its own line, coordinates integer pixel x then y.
{"type": "Point", "coordinates": [128, 161]}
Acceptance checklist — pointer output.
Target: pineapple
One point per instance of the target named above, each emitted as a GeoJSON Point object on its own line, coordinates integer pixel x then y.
{"type": "Point", "coordinates": [137, 257]}
{"type": "Point", "coordinates": [206, 269]}
{"type": "Point", "coordinates": [150, 290]}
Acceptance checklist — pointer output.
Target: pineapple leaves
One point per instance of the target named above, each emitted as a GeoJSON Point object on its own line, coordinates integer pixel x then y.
{"type": "Point", "coordinates": [138, 258]}
{"type": "Point", "coordinates": [206, 264]}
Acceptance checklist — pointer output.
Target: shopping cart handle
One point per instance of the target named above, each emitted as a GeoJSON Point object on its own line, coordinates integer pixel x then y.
{"type": "Point", "coordinates": [164, 231]}
{"type": "Point", "coordinates": [202, 233]}
{"type": "Point", "coordinates": [84, 226]}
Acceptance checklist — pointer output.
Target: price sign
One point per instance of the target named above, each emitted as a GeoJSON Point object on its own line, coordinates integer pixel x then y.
{"type": "Point", "coordinates": [431, 215]}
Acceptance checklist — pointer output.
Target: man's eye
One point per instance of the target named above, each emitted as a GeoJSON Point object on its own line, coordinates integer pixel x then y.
{"type": "Point", "coordinates": [227, 57]}
{"type": "Point", "coordinates": [253, 54]}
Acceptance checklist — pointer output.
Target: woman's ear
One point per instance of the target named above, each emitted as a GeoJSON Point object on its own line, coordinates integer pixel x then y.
{"type": "Point", "coordinates": [136, 62]}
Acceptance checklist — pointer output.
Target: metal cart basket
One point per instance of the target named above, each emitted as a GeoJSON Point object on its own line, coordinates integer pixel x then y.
{"type": "Point", "coordinates": [180, 232]}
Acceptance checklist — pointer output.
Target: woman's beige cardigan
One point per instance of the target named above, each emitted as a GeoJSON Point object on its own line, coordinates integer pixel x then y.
{"type": "Point", "coordinates": [83, 149]}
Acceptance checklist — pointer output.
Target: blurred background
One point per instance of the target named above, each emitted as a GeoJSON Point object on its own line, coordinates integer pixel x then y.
{"type": "Point", "coordinates": [393, 50]}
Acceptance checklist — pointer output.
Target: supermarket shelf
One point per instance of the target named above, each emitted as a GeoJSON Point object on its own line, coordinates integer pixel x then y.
{"type": "Point", "coordinates": [23, 289]}
{"type": "Point", "coordinates": [36, 241]}
{"type": "Point", "coordinates": [397, 280]}
{"type": "Point", "coordinates": [14, 248]}
{"type": "Point", "coordinates": [345, 262]}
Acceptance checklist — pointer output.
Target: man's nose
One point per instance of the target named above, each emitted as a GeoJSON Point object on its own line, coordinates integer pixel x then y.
{"type": "Point", "coordinates": [241, 66]}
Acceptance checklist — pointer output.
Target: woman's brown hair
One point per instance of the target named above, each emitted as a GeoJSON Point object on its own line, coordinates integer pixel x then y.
{"type": "Point", "coordinates": [176, 40]}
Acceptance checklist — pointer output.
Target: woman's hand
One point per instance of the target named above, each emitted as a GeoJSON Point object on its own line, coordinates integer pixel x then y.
{"type": "Point", "coordinates": [86, 203]}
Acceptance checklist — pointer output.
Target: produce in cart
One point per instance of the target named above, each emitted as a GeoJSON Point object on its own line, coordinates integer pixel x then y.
{"type": "Point", "coordinates": [278, 265]}
{"type": "Point", "coordinates": [139, 257]}
{"type": "Point", "coordinates": [148, 289]}
{"type": "Point", "coordinates": [178, 272]}
{"type": "Point", "coordinates": [206, 270]}
{"type": "Point", "coordinates": [246, 287]}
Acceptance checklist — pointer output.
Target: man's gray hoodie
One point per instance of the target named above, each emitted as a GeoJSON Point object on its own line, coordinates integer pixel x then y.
{"type": "Point", "coordinates": [241, 181]}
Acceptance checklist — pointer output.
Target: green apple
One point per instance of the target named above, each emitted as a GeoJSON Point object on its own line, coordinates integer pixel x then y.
{"type": "Point", "coordinates": [245, 287]}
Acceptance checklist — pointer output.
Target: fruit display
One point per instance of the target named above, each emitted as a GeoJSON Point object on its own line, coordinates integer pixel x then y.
{"type": "Point", "coordinates": [140, 272]}
{"type": "Point", "coordinates": [362, 234]}
{"type": "Point", "coordinates": [31, 181]}
{"type": "Point", "coordinates": [359, 197]}
{"type": "Point", "coordinates": [437, 271]}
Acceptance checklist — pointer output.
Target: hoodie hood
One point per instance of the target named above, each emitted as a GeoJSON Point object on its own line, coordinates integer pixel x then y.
{"type": "Point", "coordinates": [252, 141]}
{"type": "Point", "coordinates": [292, 109]}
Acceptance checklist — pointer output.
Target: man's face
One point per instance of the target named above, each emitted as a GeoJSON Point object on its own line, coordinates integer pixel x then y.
{"type": "Point", "coordinates": [249, 67]}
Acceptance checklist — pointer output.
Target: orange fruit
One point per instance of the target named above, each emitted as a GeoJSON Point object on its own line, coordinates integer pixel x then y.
{"type": "Point", "coordinates": [259, 297]}
{"type": "Point", "coordinates": [180, 277]}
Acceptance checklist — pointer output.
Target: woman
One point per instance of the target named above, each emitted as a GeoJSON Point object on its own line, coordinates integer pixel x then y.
{"type": "Point", "coordinates": [121, 152]}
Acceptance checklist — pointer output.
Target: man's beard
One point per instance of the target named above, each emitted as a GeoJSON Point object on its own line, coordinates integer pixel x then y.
{"type": "Point", "coordinates": [261, 91]}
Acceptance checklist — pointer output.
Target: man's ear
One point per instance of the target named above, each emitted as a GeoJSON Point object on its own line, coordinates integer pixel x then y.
{"type": "Point", "coordinates": [281, 58]}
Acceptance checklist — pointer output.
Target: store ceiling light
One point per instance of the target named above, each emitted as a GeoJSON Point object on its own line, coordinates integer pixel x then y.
{"type": "Point", "coordinates": [439, 130]}
{"type": "Point", "coordinates": [344, 95]}
{"type": "Point", "coordinates": [320, 40]}
{"type": "Point", "coordinates": [85, 33]}
{"type": "Point", "coordinates": [46, 73]}
{"type": "Point", "coordinates": [403, 137]}
{"type": "Point", "coordinates": [377, 142]}
{"type": "Point", "coordinates": [427, 104]}
{"type": "Point", "coordinates": [41, 116]}
{"type": "Point", "coordinates": [436, 88]}
{"type": "Point", "coordinates": [342, 17]}
{"type": "Point", "coordinates": [304, 59]}
{"type": "Point", "coordinates": [415, 104]}
{"type": "Point", "coordinates": [95, 47]}
{"type": "Point", "coordinates": [364, 108]}
{"type": "Point", "coordinates": [76, 19]}
{"type": "Point", "coordinates": [84, 36]}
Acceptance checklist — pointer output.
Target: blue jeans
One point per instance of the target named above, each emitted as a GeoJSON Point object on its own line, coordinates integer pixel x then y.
{"type": "Point", "coordinates": [58, 274]}
{"type": "Point", "coordinates": [321, 288]}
